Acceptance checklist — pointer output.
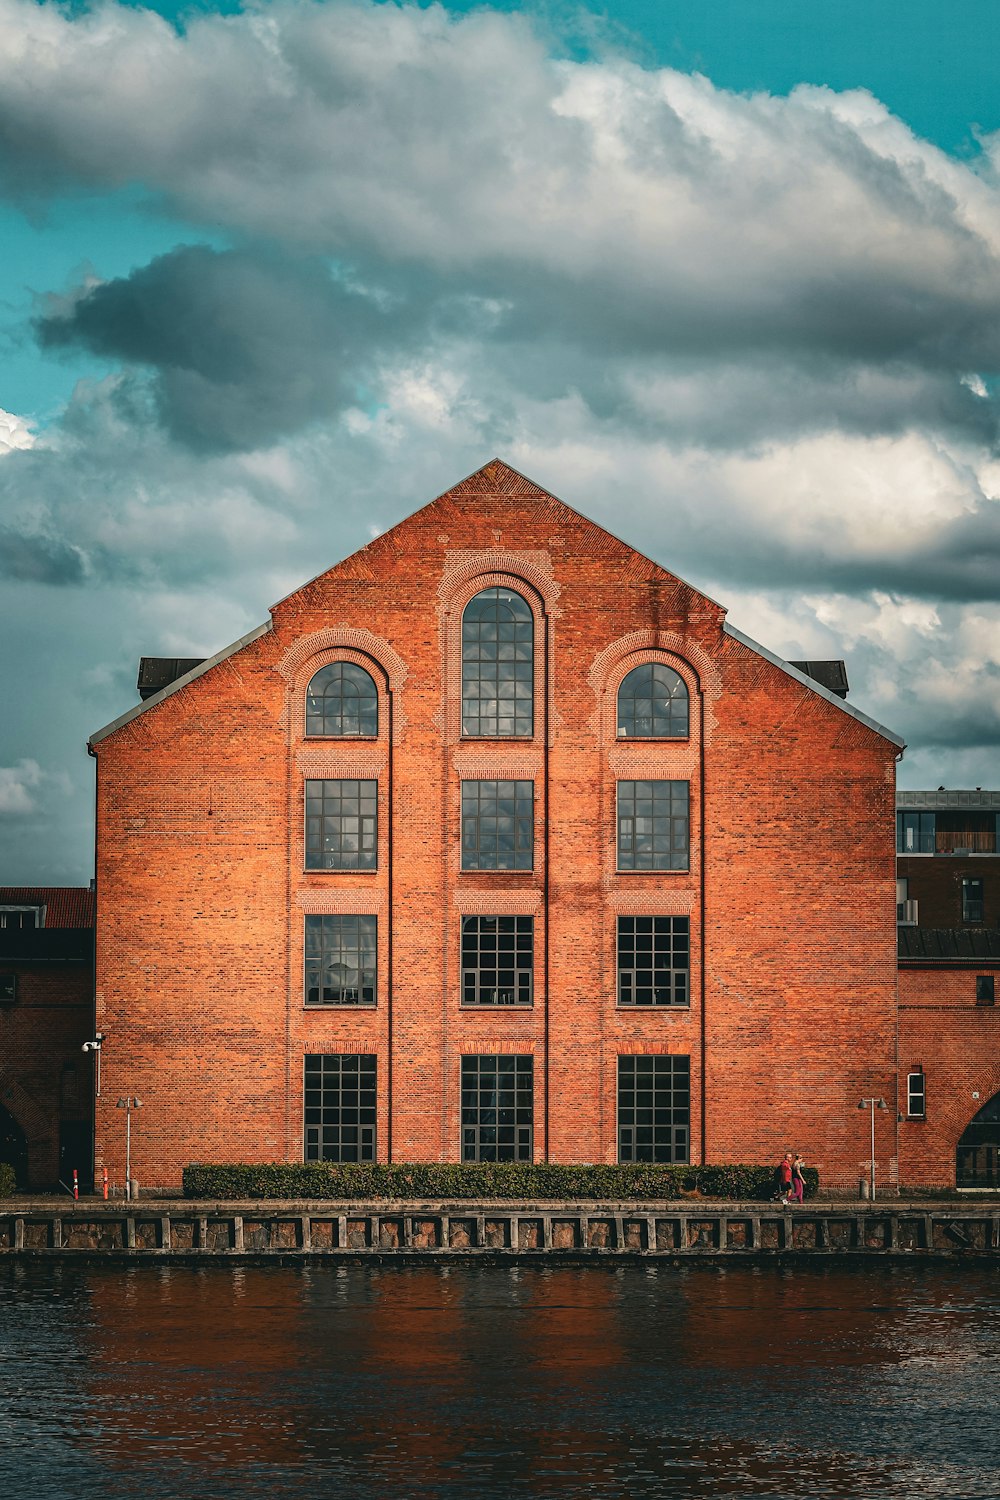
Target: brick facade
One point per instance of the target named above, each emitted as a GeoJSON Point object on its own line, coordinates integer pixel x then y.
{"type": "Point", "coordinates": [203, 890]}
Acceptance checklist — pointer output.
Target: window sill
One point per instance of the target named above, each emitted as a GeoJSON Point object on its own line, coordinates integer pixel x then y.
{"type": "Point", "coordinates": [685, 871]}
{"type": "Point", "coordinates": [631, 1009]}
{"type": "Point", "coordinates": [341, 1005]}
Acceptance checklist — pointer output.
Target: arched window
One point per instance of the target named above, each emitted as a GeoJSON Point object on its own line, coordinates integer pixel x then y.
{"type": "Point", "coordinates": [978, 1154]}
{"type": "Point", "coordinates": [653, 704]}
{"type": "Point", "coordinates": [497, 666]}
{"type": "Point", "coordinates": [342, 700]}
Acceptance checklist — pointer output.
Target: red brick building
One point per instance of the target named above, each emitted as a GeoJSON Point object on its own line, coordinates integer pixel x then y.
{"type": "Point", "coordinates": [46, 1014]}
{"type": "Point", "coordinates": [948, 910]}
{"type": "Point", "coordinates": [496, 840]}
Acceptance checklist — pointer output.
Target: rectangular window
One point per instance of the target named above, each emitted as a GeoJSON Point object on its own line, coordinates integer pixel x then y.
{"type": "Point", "coordinates": [497, 960]}
{"type": "Point", "coordinates": [341, 825]}
{"type": "Point", "coordinates": [20, 918]}
{"type": "Point", "coordinates": [915, 832]}
{"type": "Point", "coordinates": [653, 960]}
{"type": "Point", "coordinates": [497, 1108]}
{"type": "Point", "coordinates": [340, 960]}
{"type": "Point", "coordinates": [340, 1099]}
{"type": "Point", "coordinates": [985, 989]}
{"type": "Point", "coordinates": [653, 825]}
{"type": "Point", "coordinates": [972, 900]}
{"type": "Point", "coordinates": [654, 1108]}
{"type": "Point", "coordinates": [916, 1095]}
{"type": "Point", "coordinates": [497, 825]}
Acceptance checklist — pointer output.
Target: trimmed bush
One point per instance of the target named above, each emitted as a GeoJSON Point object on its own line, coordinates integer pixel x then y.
{"type": "Point", "coordinates": [8, 1183]}
{"type": "Point", "coordinates": [367, 1181]}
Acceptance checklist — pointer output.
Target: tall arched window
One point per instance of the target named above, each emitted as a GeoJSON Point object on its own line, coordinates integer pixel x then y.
{"type": "Point", "coordinates": [497, 666]}
{"type": "Point", "coordinates": [342, 700]}
{"type": "Point", "coordinates": [653, 704]}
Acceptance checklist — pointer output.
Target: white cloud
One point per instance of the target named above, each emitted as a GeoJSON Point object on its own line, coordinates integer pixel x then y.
{"type": "Point", "coordinates": [22, 784]}
{"type": "Point", "coordinates": [15, 433]}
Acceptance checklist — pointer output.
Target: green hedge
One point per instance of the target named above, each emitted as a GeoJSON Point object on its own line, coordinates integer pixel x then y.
{"type": "Point", "coordinates": [7, 1180]}
{"type": "Point", "coordinates": [364, 1182]}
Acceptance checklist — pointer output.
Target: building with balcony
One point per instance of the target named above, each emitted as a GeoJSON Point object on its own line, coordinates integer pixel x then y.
{"type": "Point", "coordinates": [495, 841]}
{"type": "Point", "coordinates": [948, 916]}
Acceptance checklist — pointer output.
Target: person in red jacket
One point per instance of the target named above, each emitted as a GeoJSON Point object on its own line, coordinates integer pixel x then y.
{"type": "Point", "coordinates": [784, 1175]}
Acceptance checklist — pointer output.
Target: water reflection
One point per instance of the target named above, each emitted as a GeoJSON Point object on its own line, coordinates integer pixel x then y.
{"type": "Point", "coordinates": [480, 1381]}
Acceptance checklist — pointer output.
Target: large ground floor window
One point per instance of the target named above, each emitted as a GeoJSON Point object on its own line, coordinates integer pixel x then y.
{"type": "Point", "coordinates": [497, 1108]}
{"type": "Point", "coordinates": [654, 1109]}
{"type": "Point", "coordinates": [977, 1163]}
{"type": "Point", "coordinates": [340, 1101]}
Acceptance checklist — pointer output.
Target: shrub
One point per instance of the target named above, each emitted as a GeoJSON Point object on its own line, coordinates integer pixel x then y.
{"type": "Point", "coordinates": [368, 1181]}
{"type": "Point", "coordinates": [7, 1180]}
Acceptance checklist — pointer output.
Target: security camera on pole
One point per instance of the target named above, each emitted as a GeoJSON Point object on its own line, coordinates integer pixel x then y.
{"type": "Point", "coordinates": [128, 1104]}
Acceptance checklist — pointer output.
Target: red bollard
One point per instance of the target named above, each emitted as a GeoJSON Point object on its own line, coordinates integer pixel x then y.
{"type": "Point", "coordinates": [76, 1184]}
{"type": "Point", "coordinates": [105, 1184]}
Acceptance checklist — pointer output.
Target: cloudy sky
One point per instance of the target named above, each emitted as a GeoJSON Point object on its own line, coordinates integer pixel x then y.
{"type": "Point", "coordinates": [723, 274]}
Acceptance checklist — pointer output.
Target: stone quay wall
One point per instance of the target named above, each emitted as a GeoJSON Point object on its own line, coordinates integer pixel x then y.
{"type": "Point", "coordinates": [151, 1230]}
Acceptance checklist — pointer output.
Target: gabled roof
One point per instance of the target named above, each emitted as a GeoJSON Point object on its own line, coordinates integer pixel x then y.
{"type": "Point", "coordinates": [497, 478]}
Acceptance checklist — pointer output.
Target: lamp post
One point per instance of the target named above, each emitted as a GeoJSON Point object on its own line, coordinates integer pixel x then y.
{"type": "Point", "coordinates": [128, 1104]}
{"type": "Point", "coordinates": [872, 1104]}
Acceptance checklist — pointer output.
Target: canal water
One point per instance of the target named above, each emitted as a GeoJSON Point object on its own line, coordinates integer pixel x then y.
{"type": "Point", "coordinates": [416, 1382]}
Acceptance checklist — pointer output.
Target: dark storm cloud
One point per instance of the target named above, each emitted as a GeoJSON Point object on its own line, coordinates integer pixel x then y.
{"type": "Point", "coordinates": [32, 558]}
{"type": "Point", "coordinates": [245, 347]}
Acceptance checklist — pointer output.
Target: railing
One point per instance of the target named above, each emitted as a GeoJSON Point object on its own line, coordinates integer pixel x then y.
{"type": "Point", "coordinates": [976, 842]}
{"type": "Point", "coordinates": [906, 913]}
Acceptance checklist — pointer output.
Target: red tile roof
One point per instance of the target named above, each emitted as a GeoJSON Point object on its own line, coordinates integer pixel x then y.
{"type": "Point", "coordinates": [65, 905]}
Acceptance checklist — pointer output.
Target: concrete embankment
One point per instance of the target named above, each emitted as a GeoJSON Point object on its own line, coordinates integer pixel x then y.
{"type": "Point", "coordinates": [171, 1228]}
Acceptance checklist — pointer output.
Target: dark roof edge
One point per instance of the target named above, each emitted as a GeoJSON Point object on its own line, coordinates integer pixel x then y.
{"type": "Point", "coordinates": [814, 686]}
{"type": "Point", "coordinates": [178, 683]}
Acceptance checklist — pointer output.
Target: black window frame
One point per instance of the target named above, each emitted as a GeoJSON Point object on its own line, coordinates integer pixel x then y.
{"type": "Point", "coordinates": [916, 1095]}
{"type": "Point", "coordinates": [640, 1110]}
{"type": "Point", "coordinates": [498, 960]}
{"type": "Point", "coordinates": [352, 1091]}
{"type": "Point", "coordinates": [505, 1109]}
{"type": "Point", "coordinates": [662, 690]}
{"type": "Point", "coordinates": [986, 989]}
{"type": "Point", "coordinates": [923, 829]}
{"type": "Point", "coordinates": [653, 962]}
{"type": "Point", "coordinates": [973, 906]}
{"type": "Point", "coordinates": [481, 819]}
{"type": "Point", "coordinates": [665, 806]}
{"type": "Point", "coordinates": [327, 940]}
{"type": "Point", "coordinates": [367, 716]}
{"type": "Point", "coordinates": [317, 820]}
{"type": "Point", "coordinates": [496, 672]}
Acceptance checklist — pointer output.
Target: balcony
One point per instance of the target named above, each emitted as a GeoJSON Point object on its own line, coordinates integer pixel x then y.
{"type": "Point", "coordinates": [906, 913]}
{"type": "Point", "coordinates": [966, 841]}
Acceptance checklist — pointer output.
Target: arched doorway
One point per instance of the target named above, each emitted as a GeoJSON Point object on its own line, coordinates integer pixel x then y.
{"type": "Point", "coordinates": [977, 1161]}
{"type": "Point", "coordinates": [13, 1146]}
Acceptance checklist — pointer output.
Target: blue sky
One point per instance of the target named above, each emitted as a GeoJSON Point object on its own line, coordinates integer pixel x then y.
{"type": "Point", "coordinates": [725, 274]}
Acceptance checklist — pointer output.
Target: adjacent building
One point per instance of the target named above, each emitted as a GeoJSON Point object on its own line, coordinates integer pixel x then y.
{"type": "Point", "coordinates": [496, 841]}
{"type": "Point", "coordinates": [948, 913]}
{"type": "Point", "coordinates": [46, 1014]}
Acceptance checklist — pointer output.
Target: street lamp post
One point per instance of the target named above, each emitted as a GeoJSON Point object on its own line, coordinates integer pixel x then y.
{"type": "Point", "coordinates": [872, 1104]}
{"type": "Point", "coordinates": [128, 1104]}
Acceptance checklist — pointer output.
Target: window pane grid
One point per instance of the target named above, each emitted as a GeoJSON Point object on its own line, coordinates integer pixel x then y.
{"type": "Point", "coordinates": [339, 1106]}
{"type": "Point", "coordinates": [340, 960]}
{"type": "Point", "coordinates": [653, 960]}
{"type": "Point", "coordinates": [497, 825]}
{"type": "Point", "coordinates": [653, 825]}
{"type": "Point", "coordinates": [341, 825]}
{"type": "Point", "coordinates": [497, 666]}
{"type": "Point", "coordinates": [653, 704]}
{"type": "Point", "coordinates": [916, 1095]}
{"type": "Point", "coordinates": [497, 1108]}
{"type": "Point", "coordinates": [972, 901]}
{"type": "Point", "coordinates": [654, 1109]}
{"type": "Point", "coordinates": [342, 700]}
{"type": "Point", "coordinates": [497, 960]}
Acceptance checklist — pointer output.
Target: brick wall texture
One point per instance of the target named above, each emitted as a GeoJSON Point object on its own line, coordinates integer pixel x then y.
{"type": "Point", "coordinates": [202, 889]}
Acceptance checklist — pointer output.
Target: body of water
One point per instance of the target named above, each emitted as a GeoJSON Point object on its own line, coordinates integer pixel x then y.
{"type": "Point", "coordinates": [412, 1382]}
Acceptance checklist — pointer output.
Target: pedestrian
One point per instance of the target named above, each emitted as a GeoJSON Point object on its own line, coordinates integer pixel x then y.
{"type": "Point", "coordinates": [783, 1173]}
{"type": "Point", "coordinates": [798, 1179]}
